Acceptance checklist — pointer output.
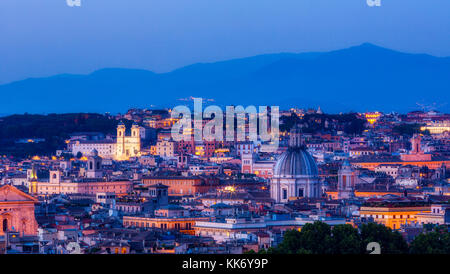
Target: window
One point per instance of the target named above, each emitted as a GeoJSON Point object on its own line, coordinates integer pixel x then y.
{"type": "Point", "coordinates": [284, 193]}
{"type": "Point", "coordinates": [5, 225]}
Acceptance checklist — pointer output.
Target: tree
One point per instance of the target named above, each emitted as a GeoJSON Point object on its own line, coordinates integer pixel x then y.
{"type": "Point", "coordinates": [320, 238]}
{"type": "Point", "coordinates": [317, 238]}
{"type": "Point", "coordinates": [434, 242]}
{"type": "Point", "coordinates": [346, 240]}
{"type": "Point", "coordinates": [291, 243]}
{"type": "Point", "coordinates": [391, 242]}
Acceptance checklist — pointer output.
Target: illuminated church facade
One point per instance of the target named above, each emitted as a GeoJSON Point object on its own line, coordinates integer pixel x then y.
{"type": "Point", "coordinates": [17, 212]}
{"type": "Point", "coordinates": [121, 149]}
{"type": "Point", "coordinates": [127, 146]}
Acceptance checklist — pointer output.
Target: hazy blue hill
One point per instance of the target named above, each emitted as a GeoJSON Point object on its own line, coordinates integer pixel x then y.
{"type": "Point", "coordinates": [360, 78]}
{"type": "Point", "coordinates": [231, 69]}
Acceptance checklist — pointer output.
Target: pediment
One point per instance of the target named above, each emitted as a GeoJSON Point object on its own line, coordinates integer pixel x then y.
{"type": "Point", "coordinates": [11, 194]}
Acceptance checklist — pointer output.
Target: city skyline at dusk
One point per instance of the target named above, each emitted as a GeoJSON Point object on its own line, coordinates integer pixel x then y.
{"type": "Point", "coordinates": [222, 136]}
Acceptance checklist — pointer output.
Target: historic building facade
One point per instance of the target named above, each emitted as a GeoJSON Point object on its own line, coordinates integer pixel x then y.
{"type": "Point", "coordinates": [295, 172]}
{"type": "Point", "coordinates": [121, 149]}
{"type": "Point", "coordinates": [127, 146]}
{"type": "Point", "coordinates": [346, 181]}
{"type": "Point", "coordinates": [17, 212]}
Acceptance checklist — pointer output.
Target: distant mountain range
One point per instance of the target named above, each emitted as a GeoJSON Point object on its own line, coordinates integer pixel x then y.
{"type": "Point", "coordinates": [361, 78]}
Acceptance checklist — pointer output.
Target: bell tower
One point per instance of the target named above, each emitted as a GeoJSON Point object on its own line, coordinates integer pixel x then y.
{"type": "Point", "coordinates": [94, 168]}
{"type": "Point", "coordinates": [135, 140]}
{"type": "Point", "coordinates": [128, 146]}
{"type": "Point", "coordinates": [120, 145]}
{"type": "Point", "coordinates": [346, 181]}
{"type": "Point", "coordinates": [55, 176]}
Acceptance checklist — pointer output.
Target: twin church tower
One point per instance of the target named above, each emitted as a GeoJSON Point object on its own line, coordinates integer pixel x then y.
{"type": "Point", "coordinates": [127, 146]}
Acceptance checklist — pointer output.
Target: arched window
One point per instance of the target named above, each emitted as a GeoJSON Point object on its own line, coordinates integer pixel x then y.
{"type": "Point", "coordinates": [54, 175]}
{"type": "Point", "coordinates": [90, 165]}
{"type": "Point", "coordinates": [5, 225]}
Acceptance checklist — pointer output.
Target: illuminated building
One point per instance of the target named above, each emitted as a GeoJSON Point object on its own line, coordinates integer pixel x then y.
{"type": "Point", "coordinates": [166, 123]}
{"type": "Point", "coordinates": [121, 149]}
{"type": "Point", "coordinates": [437, 127]}
{"type": "Point", "coordinates": [17, 212]}
{"type": "Point", "coordinates": [106, 148]}
{"type": "Point", "coordinates": [251, 165]}
{"type": "Point", "coordinates": [83, 187]}
{"type": "Point", "coordinates": [439, 215]}
{"type": "Point", "coordinates": [416, 153]}
{"type": "Point", "coordinates": [360, 151]}
{"type": "Point", "coordinates": [183, 224]}
{"type": "Point", "coordinates": [59, 185]}
{"type": "Point", "coordinates": [433, 164]}
{"type": "Point", "coordinates": [416, 157]}
{"type": "Point", "coordinates": [179, 186]}
{"type": "Point", "coordinates": [165, 148]}
{"type": "Point", "coordinates": [221, 155]}
{"type": "Point", "coordinates": [393, 217]}
{"type": "Point", "coordinates": [389, 169]}
{"type": "Point", "coordinates": [128, 146]}
{"type": "Point", "coordinates": [372, 117]}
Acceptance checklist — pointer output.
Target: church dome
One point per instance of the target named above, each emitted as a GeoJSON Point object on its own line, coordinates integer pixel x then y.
{"type": "Point", "coordinates": [295, 162]}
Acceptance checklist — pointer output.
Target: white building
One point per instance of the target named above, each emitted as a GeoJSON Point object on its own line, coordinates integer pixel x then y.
{"type": "Point", "coordinates": [120, 149]}
{"type": "Point", "coordinates": [295, 173]}
{"type": "Point", "coordinates": [106, 148]}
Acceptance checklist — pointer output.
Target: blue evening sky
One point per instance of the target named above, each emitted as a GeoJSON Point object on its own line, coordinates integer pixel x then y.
{"type": "Point", "coordinates": [46, 37]}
